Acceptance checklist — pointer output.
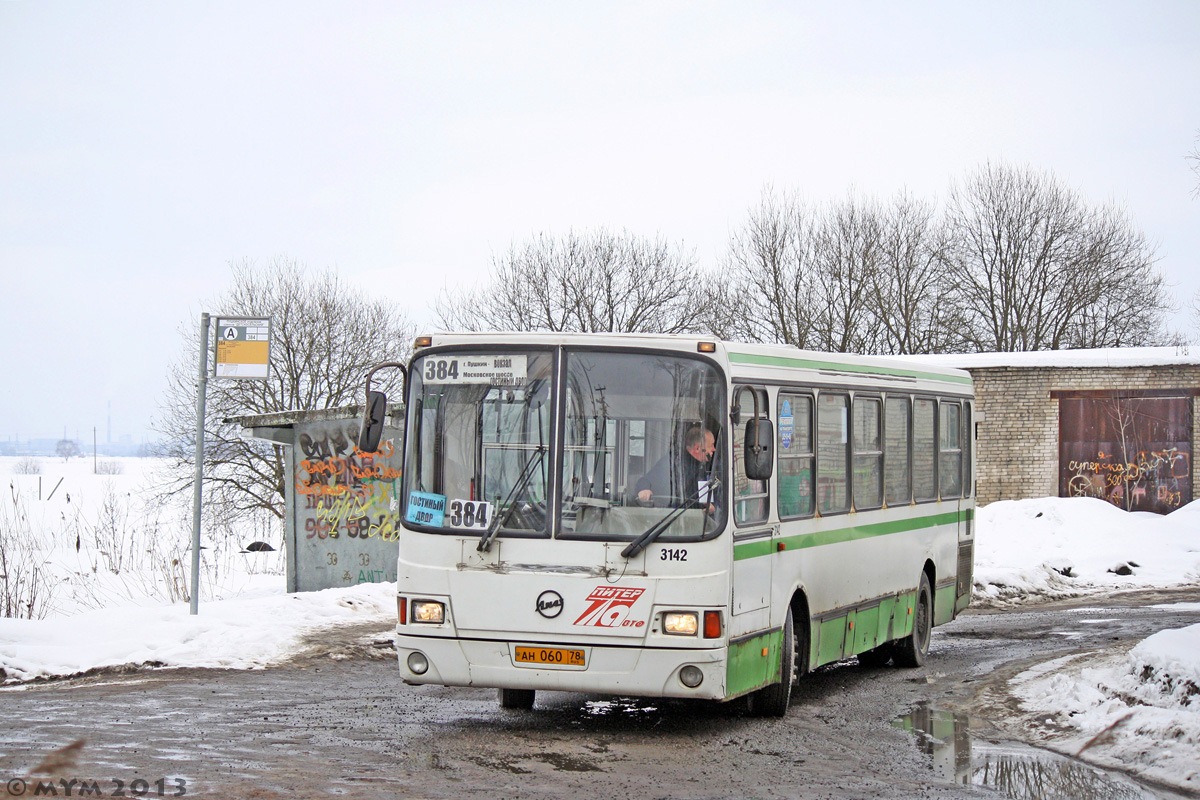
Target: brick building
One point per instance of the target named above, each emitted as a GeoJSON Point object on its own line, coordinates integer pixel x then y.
{"type": "Point", "coordinates": [1116, 424]}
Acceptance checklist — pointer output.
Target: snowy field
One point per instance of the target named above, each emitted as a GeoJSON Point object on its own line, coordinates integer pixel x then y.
{"type": "Point", "coordinates": [111, 569]}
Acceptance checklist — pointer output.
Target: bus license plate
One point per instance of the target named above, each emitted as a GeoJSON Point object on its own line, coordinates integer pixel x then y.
{"type": "Point", "coordinates": [556, 656]}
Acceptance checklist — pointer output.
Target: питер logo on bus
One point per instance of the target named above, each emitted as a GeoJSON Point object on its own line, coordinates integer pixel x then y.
{"type": "Point", "coordinates": [610, 608]}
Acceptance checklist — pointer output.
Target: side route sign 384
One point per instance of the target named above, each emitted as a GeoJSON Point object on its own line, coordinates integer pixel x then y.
{"type": "Point", "coordinates": [243, 347]}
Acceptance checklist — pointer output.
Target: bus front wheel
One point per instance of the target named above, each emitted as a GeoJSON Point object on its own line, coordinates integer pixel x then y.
{"type": "Point", "coordinates": [519, 699]}
{"type": "Point", "coordinates": [913, 650]}
{"type": "Point", "coordinates": [773, 700]}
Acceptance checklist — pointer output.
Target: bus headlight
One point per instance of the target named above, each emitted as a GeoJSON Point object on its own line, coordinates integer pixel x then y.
{"type": "Point", "coordinates": [429, 612]}
{"type": "Point", "coordinates": [691, 676]}
{"type": "Point", "coordinates": [680, 623]}
{"type": "Point", "coordinates": [418, 664]}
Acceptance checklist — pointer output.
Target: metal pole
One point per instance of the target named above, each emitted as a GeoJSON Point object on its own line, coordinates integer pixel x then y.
{"type": "Point", "coordinates": [197, 485]}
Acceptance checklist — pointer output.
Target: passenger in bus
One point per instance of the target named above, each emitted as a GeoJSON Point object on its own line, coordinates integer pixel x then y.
{"type": "Point", "coordinates": [681, 479]}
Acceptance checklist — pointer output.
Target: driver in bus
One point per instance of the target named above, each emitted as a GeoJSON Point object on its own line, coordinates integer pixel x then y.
{"type": "Point", "coordinates": [686, 479]}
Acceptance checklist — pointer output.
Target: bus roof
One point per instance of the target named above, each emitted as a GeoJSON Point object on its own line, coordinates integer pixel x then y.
{"type": "Point", "coordinates": [757, 359]}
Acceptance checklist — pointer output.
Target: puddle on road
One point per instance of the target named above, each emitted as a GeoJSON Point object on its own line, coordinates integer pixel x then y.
{"type": "Point", "coordinates": [1014, 770]}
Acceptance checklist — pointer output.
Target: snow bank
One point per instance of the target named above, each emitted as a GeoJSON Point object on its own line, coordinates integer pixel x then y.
{"type": "Point", "coordinates": [1064, 547]}
{"type": "Point", "coordinates": [1168, 665]}
{"type": "Point", "coordinates": [231, 634]}
{"type": "Point", "coordinates": [1139, 711]}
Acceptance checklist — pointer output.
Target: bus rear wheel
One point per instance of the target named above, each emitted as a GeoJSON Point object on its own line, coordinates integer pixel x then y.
{"type": "Point", "coordinates": [913, 650]}
{"type": "Point", "coordinates": [518, 699]}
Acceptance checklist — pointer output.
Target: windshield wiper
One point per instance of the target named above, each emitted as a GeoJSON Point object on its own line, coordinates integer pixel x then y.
{"type": "Point", "coordinates": [519, 485]}
{"type": "Point", "coordinates": [654, 531]}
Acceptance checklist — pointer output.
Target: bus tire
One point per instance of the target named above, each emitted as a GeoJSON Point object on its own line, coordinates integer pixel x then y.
{"type": "Point", "coordinates": [773, 700]}
{"type": "Point", "coordinates": [517, 699]}
{"type": "Point", "coordinates": [913, 650]}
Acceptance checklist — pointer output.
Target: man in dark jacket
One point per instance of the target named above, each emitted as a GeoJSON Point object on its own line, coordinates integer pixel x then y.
{"type": "Point", "coordinates": [681, 478]}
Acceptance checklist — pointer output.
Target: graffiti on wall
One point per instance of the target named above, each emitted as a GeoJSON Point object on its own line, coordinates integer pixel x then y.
{"type": "Point", "coordinates": [1151, 478]}
{"type": "Point", "coordinates": [1132, 451]}
{"type": "Point", "coordinates": [345, 524]}
{"type": "Point", "coordinates": [347, 491]}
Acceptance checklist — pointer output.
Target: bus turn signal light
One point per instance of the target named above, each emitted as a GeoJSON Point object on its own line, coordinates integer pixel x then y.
{"type": "Point", "coordinates": [712, 624]}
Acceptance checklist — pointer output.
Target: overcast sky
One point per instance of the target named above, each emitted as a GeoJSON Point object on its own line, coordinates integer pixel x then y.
{"type": "Point", "coordinates": [146, 145]}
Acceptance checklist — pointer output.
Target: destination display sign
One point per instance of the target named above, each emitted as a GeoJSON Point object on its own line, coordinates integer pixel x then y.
{"type": "Point", "coordinates": [494, 370]}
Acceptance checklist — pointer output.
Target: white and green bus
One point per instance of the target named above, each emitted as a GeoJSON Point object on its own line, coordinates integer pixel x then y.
{"type": "Point", "coordinates": [673, 516]}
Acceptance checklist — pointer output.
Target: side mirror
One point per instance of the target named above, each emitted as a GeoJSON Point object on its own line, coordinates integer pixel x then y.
{"type": "Point", "coordinates": [375, 410]}
{"type": "Point", "coordinates": [759, 454]}
{"type": "Point", "coordinates": [372, 422]}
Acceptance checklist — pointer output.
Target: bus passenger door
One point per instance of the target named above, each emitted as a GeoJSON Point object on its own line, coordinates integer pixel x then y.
{"type": "Point", "coordinates": [754, 535]}
{"type": "Point", "coordinates": [752, 579]}
{"type": "Point", "coordinates": [966, 514]}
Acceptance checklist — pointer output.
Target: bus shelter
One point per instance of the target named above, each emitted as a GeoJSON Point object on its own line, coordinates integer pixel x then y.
{"type": "Point", "coordinates": [339, 524]}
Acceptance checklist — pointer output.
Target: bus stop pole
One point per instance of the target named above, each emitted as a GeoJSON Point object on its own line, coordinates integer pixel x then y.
{"type": "Point", "coordinates": [198, 484]}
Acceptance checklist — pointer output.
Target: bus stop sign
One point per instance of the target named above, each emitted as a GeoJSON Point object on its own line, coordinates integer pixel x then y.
{"type": "Point", "coordinates": [243, 348]}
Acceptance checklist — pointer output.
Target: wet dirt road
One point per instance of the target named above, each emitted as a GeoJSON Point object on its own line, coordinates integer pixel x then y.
{"type": "Point", "coordinates": [337, 722]}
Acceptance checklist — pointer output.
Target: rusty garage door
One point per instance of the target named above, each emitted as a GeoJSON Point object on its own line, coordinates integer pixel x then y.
{"type": "Point", "coordinates": [1132, 449]}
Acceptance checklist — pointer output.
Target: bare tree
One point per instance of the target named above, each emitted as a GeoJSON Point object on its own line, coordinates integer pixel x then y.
{"type": "Point", "coordinates": [325, 336]}
{"type": "Point", "coordinates": [849, 254]}
{"type": "Point", "coordinates": [853, 276]}
{"type": "Point", "coordinates": [1194, 157]}
{"type": "Point", "coordinates": [66, 449]}
{"type": "Point", "coordinates": [913, 309]}
{"type": "Point", "coordinates": [770, 274]}
{"type": "Point", "coordinates": [1195, 314]}
{"type": "Point", "coordinates": [589, 282]}
{"type": "Point", "coordinates": [1041, 270]}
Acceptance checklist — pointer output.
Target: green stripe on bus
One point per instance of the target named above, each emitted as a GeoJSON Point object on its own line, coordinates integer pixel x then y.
{"type": "Point", "coordinates": [810, 363]}
{"type": "Point", "coordinates": [765, 547]}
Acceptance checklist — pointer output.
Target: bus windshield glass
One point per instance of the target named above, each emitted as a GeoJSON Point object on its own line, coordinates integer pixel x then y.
{"type": "Point", "coordinates": [641, 431]}
{"type": "Point", "coordinates": [638, 434]}
{"type": "Point", "coordinates": [478, 441]}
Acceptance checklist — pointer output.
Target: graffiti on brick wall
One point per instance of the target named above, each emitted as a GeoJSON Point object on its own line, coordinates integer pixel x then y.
{"type": "Point", "coordinates": [342, 491]}
{"type": "Point", "coordinates": [1151, 478]}
{"type": "Point", "coordinates": [1132, 451]}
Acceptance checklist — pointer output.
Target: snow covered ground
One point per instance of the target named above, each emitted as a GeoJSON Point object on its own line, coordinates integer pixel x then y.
{"type": "Point", "coordinates": [116, 597]}
{"type": "Point", "coordinates": [1138, 710]}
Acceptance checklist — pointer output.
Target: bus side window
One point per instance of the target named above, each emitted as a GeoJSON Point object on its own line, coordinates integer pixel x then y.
{"type": "Point", "coordinates": [751, 499]}
{"type": "Point", "coordinates": [950, 460]}
{"type": "Point", "coordinates": [897, 479]}
{"type": "Point", "coordinates": [924, 451]}
{"type": "Point", "coordinates": [795, 448]}
{"type": "Point", "coordinates": [833, 458]}
{"type": "Point", "coordinates": [868, 452]}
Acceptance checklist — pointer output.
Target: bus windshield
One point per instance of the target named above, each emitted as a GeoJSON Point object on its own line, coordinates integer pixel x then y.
{"type": "Point", "coordinates": [640, 444]}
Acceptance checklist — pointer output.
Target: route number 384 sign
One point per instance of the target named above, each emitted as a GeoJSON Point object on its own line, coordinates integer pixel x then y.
{"type": "Point", "coordinates": [494, 370]}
